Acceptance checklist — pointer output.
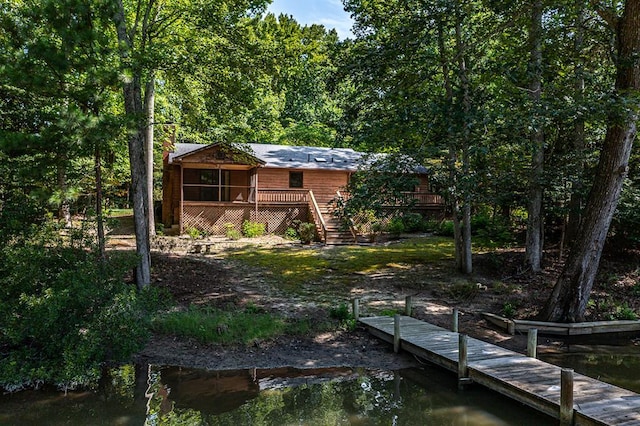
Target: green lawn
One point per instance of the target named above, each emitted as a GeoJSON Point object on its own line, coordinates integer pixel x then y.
{"type": "Point", "coordinates": [293, 267]}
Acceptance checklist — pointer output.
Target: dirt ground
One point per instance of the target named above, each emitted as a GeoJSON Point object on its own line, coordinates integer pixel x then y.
{"type": "Point", "coordinates": [215, 280]}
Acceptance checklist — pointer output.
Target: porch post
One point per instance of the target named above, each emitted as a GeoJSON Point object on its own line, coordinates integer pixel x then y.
{"type": "Point", "coordinates": [256, 180]}
{"type": "Point", "coordinates": [181, 199]}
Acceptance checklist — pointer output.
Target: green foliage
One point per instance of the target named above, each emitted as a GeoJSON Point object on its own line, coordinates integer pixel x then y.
{"type": "Point", "coordinates": [231, 232]}
{"type": "Point", "coordinates": [307, 232]}
{"type": "Point", "coordinates": [624, 312]}
{"type": "Point", "coordinates": [491, 232]}
{"type": "Point", "coordinates": [626, 221]}
{"type": "Point", "coordinates": [194, 233]}
{"type": "Point", "coordinates": [63, 314]}
{"type": "Point", "coordinates": [341, 312]}
{"type": "Point", "coordinates": [414, 222]}
{"type": "Point", "coordinates": [253, 229]}
{"type": "Point", "coordinates": [291, 234]}
{"type": "Point", "coordinates": [209, 325]}
{"type": "Point", "coordinates": [445, 228]}
{"type": "Point", "coordinates": [296, 266]}
{"type": "Point", "coordinates": [343, 315]}
{"type": "Point", "coordinates": [509, 309]}
{"type": "Point", "coordinates": [381, 182]}
{"type": "Point", "coordinates": [395, 227]}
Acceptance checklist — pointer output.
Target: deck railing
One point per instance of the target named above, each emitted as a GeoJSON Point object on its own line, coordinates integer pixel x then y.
{"type": "Point", "coordinates": [283, 196]}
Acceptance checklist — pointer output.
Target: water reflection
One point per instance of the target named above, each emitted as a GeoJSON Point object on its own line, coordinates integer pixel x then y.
{"type": "Point", "coordinates": [327, 397]}
{"type": "Point", "coordinates": [620, 369]}
{"type": "Point", "coordinates": [344, 396]}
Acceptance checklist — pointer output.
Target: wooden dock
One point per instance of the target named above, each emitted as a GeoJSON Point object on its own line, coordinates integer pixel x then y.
{"type": "Point", "coordinates": [524, 379]}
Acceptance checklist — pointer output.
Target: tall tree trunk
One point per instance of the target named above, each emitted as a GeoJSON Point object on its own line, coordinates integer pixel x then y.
{"type": "Point", "coordinates": [467, 258]}
{"type": "Point", "coordinates": [132, 90]}
{"type": "Point", "coordinates": [99, 217]}
{"type": "Point", "coordinates": [576, 201]}
{"type": "Point", "coordinates": [64, 212]}
{"type": "Point", "coordinates": [149, 106]}
{"type": "Point", "coordinates": [535, 223]}
{"type": "Point", "coordinates": [568, 300]}
{"type": "Point", "coordinates": [454, 182]}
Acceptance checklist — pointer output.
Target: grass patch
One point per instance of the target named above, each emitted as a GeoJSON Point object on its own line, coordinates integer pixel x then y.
{"type": "Point", "coordinates": [209, 325]}
{"type": "Point", "coordinates": [119, 212]}
{"type": "Point", "coordinates": [295, 266]}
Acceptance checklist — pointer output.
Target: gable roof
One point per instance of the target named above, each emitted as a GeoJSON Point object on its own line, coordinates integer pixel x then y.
{"type": "Point", "coordinates": [284, 156]}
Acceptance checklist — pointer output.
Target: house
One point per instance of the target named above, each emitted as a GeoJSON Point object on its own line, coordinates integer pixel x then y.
{"type": "Point", "coordinates": [209, 186]}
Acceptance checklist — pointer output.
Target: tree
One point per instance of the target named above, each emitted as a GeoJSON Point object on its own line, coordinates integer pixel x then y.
{"type": "Point", "coordinates": [534, 243]}
{"type": "Point", "coordinates": [570, 295]}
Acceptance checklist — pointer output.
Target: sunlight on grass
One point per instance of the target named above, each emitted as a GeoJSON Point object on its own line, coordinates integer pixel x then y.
{"type": "Point", "coordinates": [294, 266]}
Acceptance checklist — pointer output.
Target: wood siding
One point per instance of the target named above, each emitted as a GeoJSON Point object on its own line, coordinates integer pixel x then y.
{"type": "Point", "coordinates": [323, 183]}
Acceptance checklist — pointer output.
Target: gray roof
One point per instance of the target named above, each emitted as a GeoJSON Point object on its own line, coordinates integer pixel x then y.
{"type": "Point", "coordinates": [285, 156]}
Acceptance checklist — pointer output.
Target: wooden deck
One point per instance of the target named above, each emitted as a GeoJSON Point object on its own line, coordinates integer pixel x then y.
{"type": "Point", "coordinates": [527, 380]}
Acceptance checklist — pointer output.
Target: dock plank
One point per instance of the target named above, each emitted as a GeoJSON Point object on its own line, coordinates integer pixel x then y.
{"type": "Point", "coordinates": [527, 380]}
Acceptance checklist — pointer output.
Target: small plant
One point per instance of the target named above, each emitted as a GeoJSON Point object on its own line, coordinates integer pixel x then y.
{"type": "Point", "coordinates": [194, 233]}
{"type": "Point", "coordinates": [374, 232]}
{"type": "Point", "coordinates": [231, 232]}
{"type": "Point", "coordinates": [389, 312]}
{"type": "Point", "coordinates": [340, 313]}
{"type": "Point", "coordinates": [463, 290]}
{"type": "Point", "coordinates": [509, 310]}
{"type": "Point", "coordinates": [291, 234]}
{"type": "Point", "coordinates": [395, 227]}
{"type": "Point", "coordinates": [253, 229]}
{"type": "Point", "coordinates": [307, 232]}
{"type": "Point", "coordinates": [625, 313]}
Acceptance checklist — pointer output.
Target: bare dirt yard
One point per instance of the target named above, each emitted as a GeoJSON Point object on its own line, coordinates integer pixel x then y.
{"type": "Point", "coordinates": [214, 277]}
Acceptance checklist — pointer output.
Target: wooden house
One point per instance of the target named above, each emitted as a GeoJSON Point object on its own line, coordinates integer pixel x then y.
{"type": "Point", "coordinates": [209, 186]}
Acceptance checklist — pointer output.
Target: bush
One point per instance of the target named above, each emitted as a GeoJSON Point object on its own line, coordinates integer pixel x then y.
{"type": "Point", "coordinates": [194, 233]}
{"type": "Point", "coordinates": [291, 234]}
{"type": "Point", "coordinates": [395, 227]}
{"type": "Point", "coordinates": [253, 229]}
{"type": "Point", "coordinates": [414, 222]}
{"type": "Point", "coordinates": [63, 314]}
{"type": "Point", "coordinates": [231, 232]}
{"type": "Point", "coordinates": [307, 232]}
{"type": "Point", "coordinates": [445, 228]}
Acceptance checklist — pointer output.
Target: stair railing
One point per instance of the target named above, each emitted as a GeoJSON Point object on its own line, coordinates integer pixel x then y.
{"type": "Point", "coordinates": [317, 216]}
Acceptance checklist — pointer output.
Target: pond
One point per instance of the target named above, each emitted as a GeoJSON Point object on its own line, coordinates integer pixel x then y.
{"type": "Point", "coordinates": [176, 396]}
{"type": "Point", "coordinates": [618, 365]}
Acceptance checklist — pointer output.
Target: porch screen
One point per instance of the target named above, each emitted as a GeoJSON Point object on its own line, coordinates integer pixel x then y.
{"type": "Point", "coordinates": [206, 185]}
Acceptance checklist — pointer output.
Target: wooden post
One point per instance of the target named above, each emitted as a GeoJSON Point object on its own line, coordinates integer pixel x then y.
{"type": "Point", "coordinates": [396, 333]}
{"type": "Point", "coordinates": [532, 342]}
{"type": "Point", "coordinates": [454, 321]}
{"type": "Point", "coordinates": [408, 305]}
{"type": "Point", "coordinates": [566, 397]}
{"type": "Point", "coordinates": [355, 303]}
{"type": "Point", "coordinates": [463, 370]}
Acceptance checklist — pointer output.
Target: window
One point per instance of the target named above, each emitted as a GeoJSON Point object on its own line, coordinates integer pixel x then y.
{"type": "Point", "coordinates": [206, 185]}
{"type": "Point", "coordinates": [295, 180]}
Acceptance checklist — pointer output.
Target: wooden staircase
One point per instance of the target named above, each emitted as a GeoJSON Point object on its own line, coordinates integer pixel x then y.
{"type": "Point", "coordinates": [335, 236]}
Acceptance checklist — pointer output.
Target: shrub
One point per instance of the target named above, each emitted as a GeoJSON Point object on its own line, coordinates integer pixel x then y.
{"type": "Point", "coordinates": [445, 228]}
{"type": "Point", "coordinates": [307, 232]}
{"type": "Point", "coordinates": [75, 314]}
{"type": "Point", "coordinates": [231, 232]}
{"type": "Point", "coordinates": [253, 229]}
{"type": "Point", "coordinates": [395, 227]}
{"type": "Point", "coordinates": [414, 222]}
{"type": "Point", "coordinates": [194, 233]}
{"type": "Point", "coordinates": [291, 234]}
{"type": "Point", "coordinates": [509, 310]}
